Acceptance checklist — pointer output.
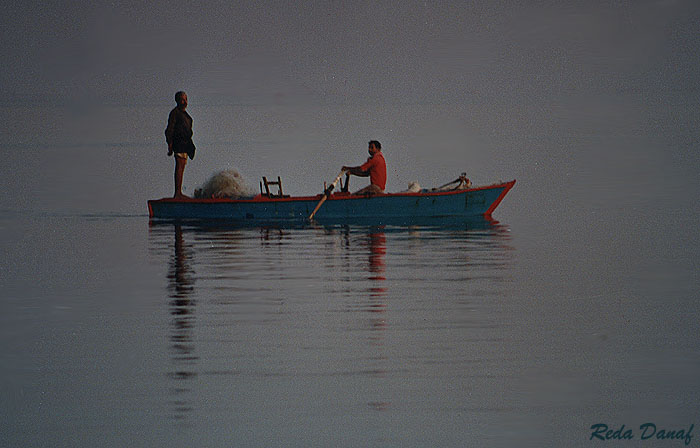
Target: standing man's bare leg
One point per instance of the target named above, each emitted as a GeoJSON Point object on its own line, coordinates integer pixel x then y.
{"type": "Point", "coordinates": [179, 172]}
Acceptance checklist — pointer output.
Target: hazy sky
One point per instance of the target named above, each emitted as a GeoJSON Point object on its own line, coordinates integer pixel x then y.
{"type": "Point", "coordinates": [233, 52]}
{"type": "Point", "coordinates": [581, 95]}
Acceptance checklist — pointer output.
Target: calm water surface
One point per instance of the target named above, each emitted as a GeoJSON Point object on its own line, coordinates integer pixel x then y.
{"type": "Point", "coordinates": [120, 332]}
{"type": "Point", "coordinates": [342, 335]}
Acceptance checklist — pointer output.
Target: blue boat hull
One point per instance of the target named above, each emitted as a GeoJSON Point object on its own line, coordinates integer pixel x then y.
{"type": "Point", "coordinates": [338, 207]}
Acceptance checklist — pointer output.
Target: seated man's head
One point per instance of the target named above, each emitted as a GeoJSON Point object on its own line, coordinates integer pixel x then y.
{"type": "Point", "coordinates": [374, 147]}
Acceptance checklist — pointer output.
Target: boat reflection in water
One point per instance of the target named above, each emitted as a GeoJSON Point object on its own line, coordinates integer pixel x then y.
{"type": "Point", "coordinates": [312, 311]}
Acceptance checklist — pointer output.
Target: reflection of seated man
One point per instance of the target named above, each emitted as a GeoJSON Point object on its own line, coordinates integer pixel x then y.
{"type": "Point", "coordinates": [374, 167]}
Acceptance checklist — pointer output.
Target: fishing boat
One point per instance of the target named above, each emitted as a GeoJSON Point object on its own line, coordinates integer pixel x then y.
{"type": "Point", "coordinates": [462, 201]}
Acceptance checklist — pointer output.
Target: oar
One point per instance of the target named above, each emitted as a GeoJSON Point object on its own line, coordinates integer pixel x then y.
{"type": "Point", "coordinates": [326, 194]}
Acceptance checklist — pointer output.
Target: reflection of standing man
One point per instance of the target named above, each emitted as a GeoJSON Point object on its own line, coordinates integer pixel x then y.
{"type": "Point", "coordinates": [178, 134]}
{"type": "Point", "coordinates": [184, 369]}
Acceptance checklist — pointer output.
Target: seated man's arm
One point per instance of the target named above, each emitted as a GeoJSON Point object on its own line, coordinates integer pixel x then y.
{"type": "Point", "coordinates": [356, 171]}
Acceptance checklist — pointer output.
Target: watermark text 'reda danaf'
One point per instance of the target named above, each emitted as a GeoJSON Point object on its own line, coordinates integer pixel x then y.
{"type": "Point", "coordinates": [647, 431]}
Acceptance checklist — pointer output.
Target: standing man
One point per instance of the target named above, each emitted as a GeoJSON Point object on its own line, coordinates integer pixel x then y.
{"type": "Point", "coordinates": [374, 167]}
{"type": "Point", "coordinates": [178, 134]}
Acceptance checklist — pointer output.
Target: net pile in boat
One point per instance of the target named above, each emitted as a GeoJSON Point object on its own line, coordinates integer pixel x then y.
{"type": "Point", "coordinates": [224, 184]}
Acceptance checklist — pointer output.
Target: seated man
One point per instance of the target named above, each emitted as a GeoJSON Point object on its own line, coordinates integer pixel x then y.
{"type": "Point", "coordinates": [374, 167]}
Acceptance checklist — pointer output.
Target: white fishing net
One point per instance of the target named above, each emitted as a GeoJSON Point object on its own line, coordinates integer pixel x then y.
{"type": "Point", "coordinates": [224, 184]}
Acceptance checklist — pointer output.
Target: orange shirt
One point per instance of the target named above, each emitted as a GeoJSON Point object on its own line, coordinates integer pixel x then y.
{"type": "Point", "coordinates": [377, 170]}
